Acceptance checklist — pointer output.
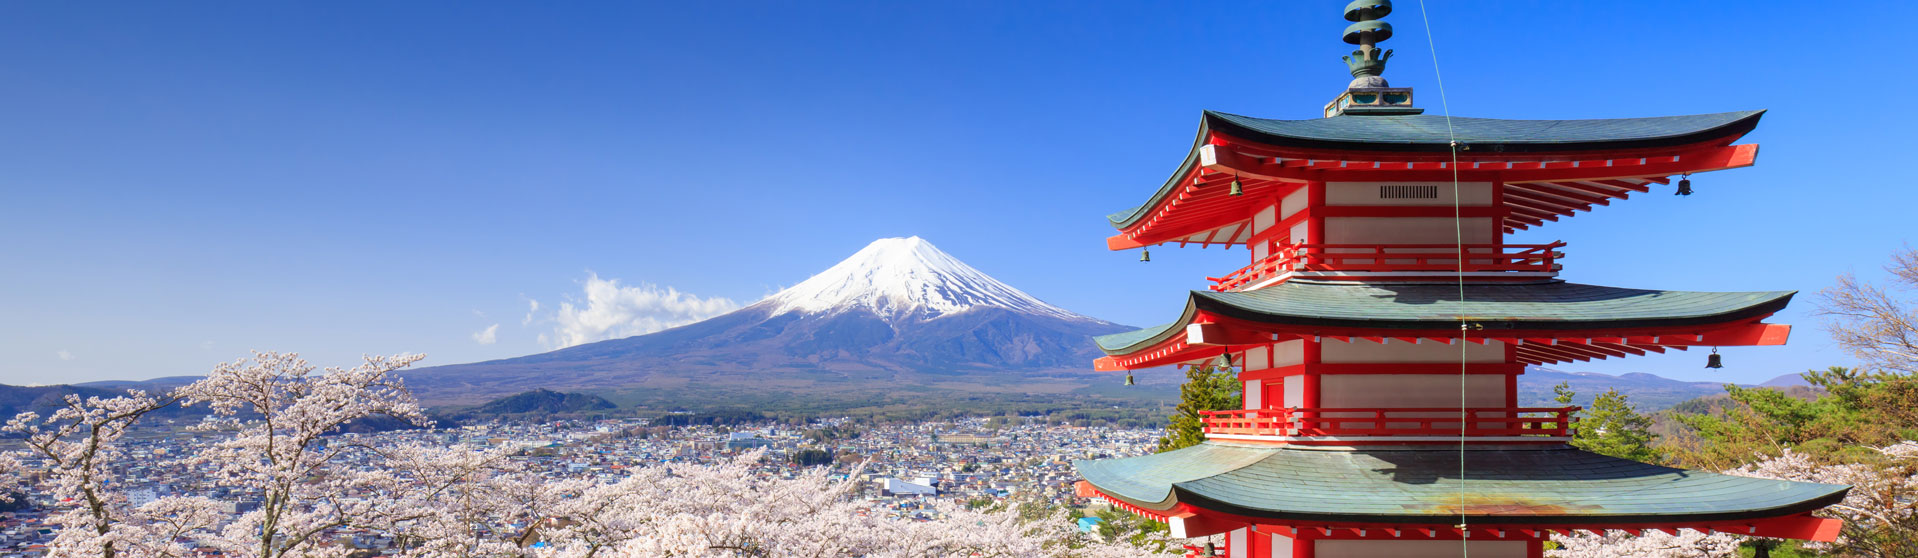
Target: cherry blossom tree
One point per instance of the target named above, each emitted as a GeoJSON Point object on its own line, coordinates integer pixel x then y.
{"type": "Point", "coordinates": [728, 509]}
{"type": "Point", "coordinates": [453, 501]}
{"type": "Point", "coordinates": [275, 436]}
{"type": "Point", "coordinates": [79, 444]}
{"type": "Point", "coordinates": [1652, 544]}
{"type": "Point", "coordinates": [1880, 512]}
{"type": "Point", "coordinates": [278, 413]}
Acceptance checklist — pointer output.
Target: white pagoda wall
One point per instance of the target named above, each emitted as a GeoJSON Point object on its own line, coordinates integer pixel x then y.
{"type": "Point", "coordinates": [1388, 391]}
{"type": "Point", "coordinates": [1408, 230]}
{"type": "Point", "coordinates": [1367, 193]}
{"type": "Point", "coordinates": [1376, 390]}
{"type": "Point", "coordinates": [1417, 549]}
{"type": "Point", "coordinates": [1396, 351]}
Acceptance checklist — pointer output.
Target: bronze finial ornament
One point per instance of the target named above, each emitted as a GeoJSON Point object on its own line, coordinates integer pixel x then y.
{"type": "Point", "coordinates": [1368, 62]}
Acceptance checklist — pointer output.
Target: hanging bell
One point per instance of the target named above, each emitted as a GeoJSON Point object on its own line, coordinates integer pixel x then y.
{"type": "Point", "coordinates": [1211, 549]}
{"type": "Point", "coordinates": [1225, 361]}
{"type": "Point", "coordinates": [1684, 186]}
{"type": "Point", "coordinates": [1145, 254]}
{"type": "Point", "coordinates": [1238, 189]}
{"type": "Point", "coordinates": [1128, 378]}
{"type": "Point", "coordinates": [1714, 360]}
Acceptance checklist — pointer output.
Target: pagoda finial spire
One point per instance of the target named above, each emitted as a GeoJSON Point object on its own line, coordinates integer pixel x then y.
{"type": "Point", "coordinates": [1369, 93]}
{"type": "Point", "coordinates": [1368, 62]}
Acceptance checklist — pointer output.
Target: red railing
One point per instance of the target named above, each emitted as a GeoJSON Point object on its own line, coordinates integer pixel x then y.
{"type": "Point", "coordinates": [1513, 421]}
{"type": "Point", "coordinates": [1395, 257]}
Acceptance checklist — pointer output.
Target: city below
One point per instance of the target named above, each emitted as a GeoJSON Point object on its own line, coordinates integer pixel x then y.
{"type": "Point", "coordinates": [900, 469]}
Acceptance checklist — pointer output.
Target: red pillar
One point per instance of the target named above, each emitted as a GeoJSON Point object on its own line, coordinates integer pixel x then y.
{"type": "Point", "coordinates": [1535, 549]}
{"type": "Point", "coordinates": [1314, 216]}
{"type": "Point", "coordinates": [1498, 202]}
{"type": "Point", "coordinates": [1309, 376]}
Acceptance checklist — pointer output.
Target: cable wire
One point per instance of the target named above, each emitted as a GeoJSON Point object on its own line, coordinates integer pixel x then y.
{"type": "Point", "coordinates": [1458, 239]}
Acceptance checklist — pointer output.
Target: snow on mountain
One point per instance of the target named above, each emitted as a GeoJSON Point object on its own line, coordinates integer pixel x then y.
{"type": "Point", "coordinates": [899, 313]}
{"type": "Point", "coordinates": [908, 278]}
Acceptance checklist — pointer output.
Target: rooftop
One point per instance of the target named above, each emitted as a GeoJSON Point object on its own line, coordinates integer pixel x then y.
{"type": "Point", "coordinates": [1429, 132]}
{"type": "Point", "coordinates": [1555, 486]}
{"type": "Point", "coordinates": [1548, 305]}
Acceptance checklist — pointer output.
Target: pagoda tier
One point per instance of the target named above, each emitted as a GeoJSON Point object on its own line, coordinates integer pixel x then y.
{"type": "Point", "coordinates": [1505, 493]}
{"type": "Point", "coordinates": [1537, 323]}
{"type": "Point", "coordinates": [1525, 172]}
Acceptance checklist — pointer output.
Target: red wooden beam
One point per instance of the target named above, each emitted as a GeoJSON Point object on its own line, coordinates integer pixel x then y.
{"type": "Point", "coordinates": [1592, 350]}
{"type": "Point", "coordinates": [1335, 169]}
{"type": "Point", "coordinates": [1557, 190]}
{"type": "Point", "coordinates": [1514, 195]}
{"type": "Point", "coordinates": [1593, 187]}
{"type": "Point", "coordinates": [1531, 213]}
{"type": "Point", "coordinates": [1620, 348]}
{"type": "Point", "coordinates": [1628, 185]}
{"type": "Point", "coordinates": [1752, 334]}
{"type": "Point", "coordinates": [1516, 202]}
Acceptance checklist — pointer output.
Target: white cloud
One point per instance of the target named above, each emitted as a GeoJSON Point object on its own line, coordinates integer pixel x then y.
{"type": "Point", "coordinates": [532, 307]}
{"type": "Point", "coordinates": [488, 335]}
{"type": "Point", "coordinates": [612, 311]}
{"type": "Point", "coordinates": [64, 355]}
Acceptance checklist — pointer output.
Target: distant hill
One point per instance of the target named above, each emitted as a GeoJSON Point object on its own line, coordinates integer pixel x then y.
{"type": "Point", "coordinates": [1788, 380]}
{"type": "Point", "coordinates": [154, 385]}
{"type": "Point", "coordinates": [544, 401]}
{"type": "Point", "coordinates": [44, 399]}
{"type": "Point", "coordinates": [1649, 392]}
{"type": "Point", "coordinates": [41, 399]}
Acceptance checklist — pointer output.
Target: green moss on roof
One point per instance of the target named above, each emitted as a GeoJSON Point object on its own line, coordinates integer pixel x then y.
{"type": "Point", "coordinates": [1517, 486]}
{"type": "Point", "coordinates": [1554, 305]}
{"type": "Point", "coordinates": [1430, 130]}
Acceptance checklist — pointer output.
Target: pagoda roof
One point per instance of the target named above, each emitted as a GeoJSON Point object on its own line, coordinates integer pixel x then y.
{"type": "Point", "coordinates": [1553, 305]}
{"type": "Point", "coordinates": [1554, 485]}
{"type": "Point", "coordinates": [1372, 139]}
{"type": "Point", "coordinates": [1428, 132]}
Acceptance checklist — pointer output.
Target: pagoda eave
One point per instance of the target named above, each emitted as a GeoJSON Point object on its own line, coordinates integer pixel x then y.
{"type": "Point", "coordinates": [1434, 134]}
{"type": "Point", "coordinates": [1194, 205]}
{"type": "Point", "coordinates": [1543, 322]}
{"type": "Point", "coordinates": [1543, 488]}
{"type": "Point", "coordinates": [1185, 520]}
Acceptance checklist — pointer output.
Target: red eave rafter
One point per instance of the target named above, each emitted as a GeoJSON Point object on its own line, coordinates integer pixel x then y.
{"type": "Point", "coordinates": [1265, 172]}
{"type": "Point", "coordinates": [1218, 335]}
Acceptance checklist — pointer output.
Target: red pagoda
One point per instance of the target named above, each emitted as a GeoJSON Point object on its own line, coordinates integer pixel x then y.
{"type": "Point", "coordinates": [1383, 322]}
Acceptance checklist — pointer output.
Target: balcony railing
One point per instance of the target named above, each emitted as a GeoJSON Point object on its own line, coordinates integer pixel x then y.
{"type": "Point", "coordinates": [1479, 422]}
{"type": "Point", "coordinates": [1373, 258]}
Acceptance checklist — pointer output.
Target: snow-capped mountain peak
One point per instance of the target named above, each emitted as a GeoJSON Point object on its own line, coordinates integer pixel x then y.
{"type": "Point", "coordinates": [905, 278]}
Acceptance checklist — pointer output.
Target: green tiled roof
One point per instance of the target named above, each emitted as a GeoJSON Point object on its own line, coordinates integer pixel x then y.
{"type": "Point", "coordinates": [1556, 485]}
{"type": "Point", "coordinates": [1554, 305]}
{"type": "Point", "coordinates": [1137, 337]}
{"type": "Point", "coordinates": [1427, 133]}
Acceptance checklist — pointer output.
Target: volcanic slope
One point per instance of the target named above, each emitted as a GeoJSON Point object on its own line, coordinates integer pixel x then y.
{"type": "Point", "coordinates": [898, 315]}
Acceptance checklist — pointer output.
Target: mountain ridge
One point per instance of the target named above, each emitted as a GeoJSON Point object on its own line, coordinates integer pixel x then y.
{"type": "Point", "coordinates": [898, 315]}
{"type": "Point", "coordinates": [1648, 392]}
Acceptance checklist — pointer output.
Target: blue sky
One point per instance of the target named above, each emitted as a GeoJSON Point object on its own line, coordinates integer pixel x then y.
{"type": "Point", "coordinates": [180, 183]}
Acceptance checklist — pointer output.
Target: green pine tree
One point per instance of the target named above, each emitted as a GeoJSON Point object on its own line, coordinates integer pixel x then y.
{"type": "Point", "coordinates": [1206, 389]}
{"type": "Point", "coordinates": [1611, 426]}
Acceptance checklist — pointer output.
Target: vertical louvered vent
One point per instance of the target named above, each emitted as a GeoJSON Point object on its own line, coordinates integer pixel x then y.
{"type": "Point", "coordinates": [1401, 192]}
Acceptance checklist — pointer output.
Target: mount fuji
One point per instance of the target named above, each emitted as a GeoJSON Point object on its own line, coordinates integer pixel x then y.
{"type": "Point", "coordinates": [898, 315]}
